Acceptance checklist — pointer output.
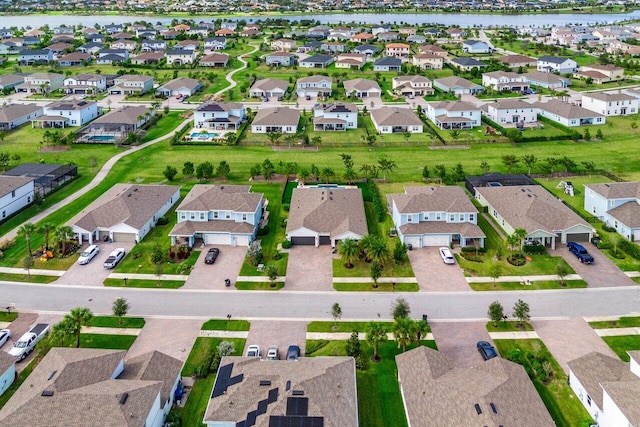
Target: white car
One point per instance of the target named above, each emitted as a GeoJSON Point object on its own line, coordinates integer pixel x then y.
{"type": "Point", "coordinates": [447, 256]}
{"type": "Point", "coordinates": [272, 352]}
{"type": "Point", "coordinates": [253, 351]}
{"type": "Point", "coordinates": [88, 254]}
{"type": "Point", "coordinates": [114, 258]}
{"type": "Point", "coordinates": [5, 334]}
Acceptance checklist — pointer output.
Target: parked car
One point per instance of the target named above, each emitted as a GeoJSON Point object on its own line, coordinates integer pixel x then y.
{"type": "Point", "coordinates": [253, 351]}
{"type": "Point", "coordinates": [447, 256]}
{"type": "Point", "coordinates": [5, 334]}
{"type": "Point", "coordinates": [293, 352]}
{"type": "Point", "coordinates": [114, 258]}
{"type": "Point", "coordinates": [28, 341]}
{"type": "Point", "coordinates": [88, 254]}
{"type": "Point", "coordinates": [580, 252]}
{"type": "Point", "coordinates": [272, 352]}
{"type": "Point", "coordinates": [212, 255]}
{"type": "Point", "coordinates": [486, 350]}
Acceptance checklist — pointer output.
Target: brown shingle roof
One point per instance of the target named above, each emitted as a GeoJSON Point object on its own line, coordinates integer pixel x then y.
{"type": "Point", "coordinates": [617, 190]}
{"type": "Point", "coordinates": [6, 361]}
{"type": "Point", "coordinates": [393, 116]}
{"type": "Point", "coordinates": [628, 213]}
{"type": "Point", "coordinates": [11, 183]}
{"type": "Point", "coordinates": [270, 84]}
{"type": "Point", "coordinates": [14, 111]}
{"type": "Point", "coordinates": [154, 366]}
{"type": "Point", "coordinates": [181, 82]}
{"type": "Point", "coordinates": [126, 115]}
{"type": "Point", "coordinates": [360, 85]}
{"type": "Point", "coordinates": [236, 198]}
{"type": "Point", "coordinates": [189, 228]}
{"type": "Point", "coordinates": [433, 199]}
{"type": "Point", "coordinates": [566, 109]}
{"type": "Point", "coordinates": [609, 97]}
{"type": "Point", "coordinates": [454, 81]}
{"type": "Point", "coordinates": [279, 116]}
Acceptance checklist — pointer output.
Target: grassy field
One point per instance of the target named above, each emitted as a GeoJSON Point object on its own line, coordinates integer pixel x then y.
{"type": "Point", "coordinates": [382, 287]}
{"type": "Point", "coordinates": [114, 322]}
{"type": "Point", "coordinates": [621, 344]}
{"type": "Point", "coordinates": [34, 278]}
{"type": "Point", "coordinates": [623, 322]}
{"type": "Point", "coordinates": [540, 264]}
{"type": "Point", "coordinates": [318, 326]}
{"type": "Point", "coordinates": [112, 342]}
{"type": "Point", "coordinates": [258, 286]}
{"type": "Point", "coordinates": [533, 286]}
{"type": "Point", "coordinates": [144, 283]}
{"type": "Point", "coordinates": [509, 326]}
{"type": "Point", "coordinates": [8, 317]}
{"type": "Point", "coordinates": [225, 325]}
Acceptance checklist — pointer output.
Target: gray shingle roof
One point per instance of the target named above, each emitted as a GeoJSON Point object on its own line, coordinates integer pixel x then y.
{"type": "Point", "coordinates": [388, 61]}
{"type": "Point", "coordinates": [453, 81]}
{"type": "Point", "coordinates": [608, 97]}
{"type": "Point", "coordinates": [11, 183]}
{"type": "Point", "coordinates": [468, 62]}
{"type": "Point", "coordinates": [510, 104]}
{"type": "Point", "coordinates": [566, 109]}
{"type": "Point", "coordinates": [541, 76]}
{"type": "Point", "coordinates": [14, 111]}
{"type": "Point", "coordinates": [181, 82]}
{"type": "Point", "coordinates": [617, 190]}
{"type": "Point", "coordinates": [552, 59]}
{"type": "Point", "coordinates": [628, 213]}
{"type": "Point", "coordinates": [360, 85]}
{"type": "Point", "coordinates": [236, 198]}
{"type": "Point", "coordinates": [393, 116]}
{"type": "Point", "coordinates": [126, 115]}
{"type": "Point", "coordinates": [154, 366]}
{"type": "Point", "coordinates": [270, 84]}
{"type": "Point", "coordinates": [6, 361]}
{"type": "Point", "coordinates": [433, 199]}
{"type": "Point", "coordinates": [279, 116]}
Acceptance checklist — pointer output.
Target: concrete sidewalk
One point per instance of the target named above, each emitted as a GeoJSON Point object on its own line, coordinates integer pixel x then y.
{"type": "Point", "coordinates": [139, 276]}
{"type": "Point", "coordinates": [111, 331]}
{"type": "Point", "coordinates": [632, 273]}
{"type": "Point", "coordinates": [523, 279]}
{"type": "Point", "coordinates": [259, 279]}
{"type": "Point", "coordinates": [34, 271]}
{"type": "Point", "coordinates": [617, 332]}
{"type": "Point", "coordinates": [513, 335]}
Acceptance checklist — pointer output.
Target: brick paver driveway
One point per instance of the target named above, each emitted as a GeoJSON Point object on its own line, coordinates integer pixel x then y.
{"type": "Point", "coordinates": [602, 273]}
{"type": "Point", "coordinates": [174, 337]}
{"type": "Point", "coordinates": [92, 274]}
{"type": "Point", "coordinates": [211, 276]}
{"type": "Point", "coordinates": [310, 269]}
{"type": "Point", "coordinates": [281, 333]}
{"type": "Point", "coordinates": [569, 339]}
{"type": "Point", "coordinates": [458, 340]}
{"type": "Point", "coordinates": [433, 274]}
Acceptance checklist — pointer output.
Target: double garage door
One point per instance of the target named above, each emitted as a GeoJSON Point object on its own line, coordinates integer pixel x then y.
{"type": "Point", "coordinates": [310, 240]}
{"type": "Point", "coordinates": [577, 237]}
{"type": "Point", "coordinates": [217, 239]}
{"type": "Point", "coordinates": [124, 237]}
{"type": "Point", "coordinates": [426, 241]}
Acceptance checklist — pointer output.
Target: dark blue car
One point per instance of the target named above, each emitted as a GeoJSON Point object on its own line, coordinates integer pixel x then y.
{"type": "Point", "coordinates": [486, 350]}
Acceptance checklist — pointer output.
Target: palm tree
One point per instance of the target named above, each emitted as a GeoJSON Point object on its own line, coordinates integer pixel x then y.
{"type": "Point", "coordinates": [303, 175]}
{"type": "Point", "coordinates": [386, 166]}
{"type": "Point", "coordinates": [365, 244]}
{"type": "Point", "coordinates": [512, 242]}
{"type": "Point", "coordinates": [63, 234]}
{"type": "Point", "coordinates": [326, 174]}
{"type": "Point", "coordinates": [402, 331]}
{"type": "Point", "coordinates": [349, 251]}
{"type": "Point", "coordinates": [520, 234]}
{"type": "Point", "coordinates": [27, 230]}
{"type": "Point", "coordinates": [376, 335]}
{"type": "Point", "coordinates": [420, 330]}
{"type": "Point", "coordinates": [76, 319]}
{"type": "Point", "coordinates": [350, 175]}
{"type": "Point", "coordinates": [379, 250]}
{"type": "Point", "coordinates": [46, 229]}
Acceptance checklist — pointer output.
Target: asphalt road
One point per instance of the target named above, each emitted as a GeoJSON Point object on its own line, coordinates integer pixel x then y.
{"type": "Point", "coordinates": [317, 305]}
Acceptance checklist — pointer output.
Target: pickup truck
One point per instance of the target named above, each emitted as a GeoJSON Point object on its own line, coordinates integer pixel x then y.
{"type": "Point", "coordinates": [28, 341]}
{"type": "Point", "coordinates": [114, 258]}
{"type": "Point", "coordinates": [580, 252]}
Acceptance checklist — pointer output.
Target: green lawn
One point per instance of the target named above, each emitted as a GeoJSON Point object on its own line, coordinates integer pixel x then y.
{"type": "Point", "coordinates": [258, 286]}
{"type": "Point", "coordinates": [143, 283]}
{"type": "Point", "coordinates": [509, 326]}
{"type": "Point", "coordinates": [114, 322]}
{"type": "Point", "coordinates": [533, 286]}
{"type": "Point", "coordinates": [621, 344]}
{"type": "Point", "coordinates": [34, 278]}
{"type": "Point", "coordinates": [623, 322]}
{"type": "Point", "coordinates": [8, 317]}
{"type": "Point", "coordinates": [382, 287]}
{"type": "Point", "coordinates": [226, 325]}
{"type": "Point", "coordinates": [318, 326]}
{"type": "Point", "coordinates": [565, 409]}
{"type": "Point", "coordinates": [540, 264]}
{"type": "Point", "coordinates": [112, 342]}
{"type": "Point", "coordinates": [166, 124]}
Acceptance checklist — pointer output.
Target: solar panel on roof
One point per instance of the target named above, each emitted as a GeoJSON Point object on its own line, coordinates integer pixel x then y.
{"type": "Point", "coordinates": [262, 407]}
{"type": "Point", "coordinates": [251, 419]}
{"type": "Point", "coordinates": [297, 406]}
{"type": "Point", "coordinates": [222, 380]}
{"type": "Point", "coordinates": [235, 380]}
{"type": "Point", "coordinates": [273, 395]}
{"type": "Point", "coordinates": [295, 421]}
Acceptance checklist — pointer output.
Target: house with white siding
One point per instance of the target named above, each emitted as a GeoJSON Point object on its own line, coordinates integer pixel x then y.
{"type": "Point", "coordinates": [219, 115]}
{"type": "Point", "coordinates": [15, 115]}
{"type": "Point", "coordinates": [74, 112]}
{"type": "Point", "coordinates": [396, 120]}
{"type": "Point", "coordinates": [279, 119]}
{"type": "Point", "coordinates": [511, 111]}
{"type": "Point", "coordinates": [610, 104]}
{"type": "Point", "coordinates": [569, 114]}
{"type": "Point", "coordinates": [505, 80]}
{"type": "Point", "coordinates": [617, 204]}
{"type": "Point", "coordinates": [556, 64]}
{"type": "Point", "coordinates": [7, 371]}
{"type": "Point", "coordinates": [316, 85]}
{"type": "Point", "coordinates": [41, 83]}
{"type": "Point", "coordinates": [82, 84]}
{"type": "Point", "coordinates": [338, 116]}
{"type": "Point", "coordinates": [412, 85]}
{"type": "Point", "coordinates": [16, 193]}
{"type": "Point", "coordinates": [454, 115]}
{"type": "Point", "coordinates": [180, 56]}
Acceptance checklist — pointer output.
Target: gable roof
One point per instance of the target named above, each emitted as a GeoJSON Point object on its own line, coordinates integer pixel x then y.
{"type": "Point", "coordinates": [541, 76]}
{"type": "Point", "coordinates": [454, 81]}
{"type": "Point", "coordinates": [468, 62]}
{"type": "Point", "coordinates": [454, 106]}
{"type": "Point", "coordinates": [14, 111]}
{"type": "Point", "coordinates": [388, 61]}
{"type": "Point", "coordinates": [433, 199]}
{"type": "Point", "coordinates": [328, 210]}
{"type": "Point", "coordinates": [360, 85]}
{"type": "Point", "coordinates": [181, 82]}
{"type": "Point", "coordinates": [394, 116]}
{"type": "Point", "coordinates": [509, 104]}
{"type": "Point", "coordinates": [566, 109]}
{"type": "Point", "coordinates": [318, 59]}
{"type": "Point", "coordinates": [126, 115]}
{"type": "Point", "coordinates": [236, 198]}
{"type": "Point", "coordinates": [279, 116]}
{"type": "Point", "coordinates": [617, 190]}
{"type": "Point", "coordinates": [11, 183]}
{"type": "Point", "coordinates": [552, 59]}
{"type": "Point", "coordinates": [154, 366]}
{"type": "Point", "coordinates": [608, 97]}
{"type": "Point", "coordinates": [270, 84]}
{"type": "Point", "coordinates": [627, 213]}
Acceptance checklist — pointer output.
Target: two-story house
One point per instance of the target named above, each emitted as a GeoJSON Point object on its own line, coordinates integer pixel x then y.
{"type": "Point", "coordinates": [511, 111]}
{"type": "Point", "coordinates": [454, 115]}
{"type": "Point", "coordinates": [16, 193]}
{"type": "Point", "coordinates": [556, 64]}
{"type": "Point", "coordinates": [427, 61]}
{"type": "Point", "coordinates": [131, 84]}
{"type": "Point", "coordinates": [152, 45]}
{"type": "Point", "coordinates": [505, 80]}
{"type": "Point", "coordinates": [435, 216]}
{"type": "Point", "coordinates": [283, 44]}
{"type": "Point", "coordinates": [610, 104]}
{"type": "Point", "coordinates": [599, 74]}
{"type": "Point", "coordinates": [112, 56]}
{"type": "Point", "coordinates": [85, 83]}
{"type": "Point", "coordinates": [218, 215]}
{"type": "Point", "coordinates": [316, 85]}
{"type": "Point", "coordinates": [335, 116]}
{"type": "Point", "coordinates": [411, 86]}
{"type": "Point", "coordinates": [30, 57]}
{"type": "Point", "coordinates": [180, 56]}
{"type": "Point", "coordinates": [73, 112]}
{"type": "Point", "coordinates": [281, 58]}
{"type": "Point", "coordinates": [215, 43]}
{"type": "Point", "coordinates": [41, 83]}
{"type": "Point", "coordinates": [617, 204]}
{"type": "Point", "coordinates": [476, 46]}
{"type": "Point", "coordinates": [219, 115]}
{"type": "Point", "coordinates": [399, 50]}
{"type": "Point", "coordinates": [569, 114]}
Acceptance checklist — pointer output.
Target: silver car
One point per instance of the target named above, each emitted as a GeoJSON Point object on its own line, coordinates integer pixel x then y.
{"type": "Point", "coordinates": [447, 256]}
{"type": "Point", "coordinates": [272, 352]}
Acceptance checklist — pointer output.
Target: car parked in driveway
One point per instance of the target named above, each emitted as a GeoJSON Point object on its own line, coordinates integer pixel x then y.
{"type": "Point", "coordinates": [88, 254]}
{"type": "Point", "coordinates": [486, 350]}
{"type": "Point", "coordinates": [114, 258]}
{"type": "Point", "coordinates": [272, 352]}
{"type": "Point", "coordinates": [253, 351]}
{"type": "Point", "coordinates": [5, 334]}
{"type": "Point", "coordinates": [447, 256]}
{"type": "Point", "coordinates": [293, 352]}
{"type": "Point", "coordinates": [580, 252]}
{"type": "Point", "coordinates": [212, 255]}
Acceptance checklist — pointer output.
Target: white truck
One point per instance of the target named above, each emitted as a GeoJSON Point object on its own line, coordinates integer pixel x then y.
{"type": "Point", "coordinates": [28, 341]}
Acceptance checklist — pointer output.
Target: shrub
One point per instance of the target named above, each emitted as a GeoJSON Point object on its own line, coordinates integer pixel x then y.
{"type": "Point", "coordinates": [286, 207]}
{"type": "Point", "coordinates": [517, 260]}
{"type": "Point", "coordinates": [7, 244]}
{"type": "Point", "coordinates": [471, 249]}
{"type": "Point", "coordinates": [630, 248]}
{"type": "Point", "coordinates": [617, 254]}
{"type": "Point", "coordinates": [286, 244]}
{"type": "Point", "coordinates": [1, 254]}
{"type": "Point", "coordinates": [605, 227]}
{"type": "Point", "coordinates": [163, 220]}
{"type": "Point", "coordinates": [471, 256]}
{"type": "Point", "coordinates": [534, 249]}
{"type": "Point", "coordinates": [264, 231]}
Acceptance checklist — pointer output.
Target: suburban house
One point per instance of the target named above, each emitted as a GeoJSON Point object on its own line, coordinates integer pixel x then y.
{"type": "Point", "coordinates": [214, 60]}
{"type": "Point", "coordinates": [367, 50]}
{"type": "Point", "coordinates": [219, 115]}
{"type": "Point", "coordinates": [14, 115]}
{"type": "Point", "coordinates": [435, 216]}
{"type": "Point", "coordinates": [180, 56]}
{"type": "Point", "coordinates": [505, 80]}
{"type": "Point", "coordinates": [148, 58]}
{"type": "Point", "coordinates": [532, 208]}
{"type": "Point", "coordinates": [316, 61]}
{"type": "Point", "coordinates": [380, 29]}
{"type": "Point", "coordinates": [85, 386]}
{"type": "Point", "coordinates": [316, 85]}
{"type": "Point", "coordinates": [325, 215]}
{"type": "Point", "coordinates": [361, 38]}
{"type": "Point", "coordinates": [617, 204]}
{"type": "Point", "coordinates": [16, 193]}
{"type": "Point", "coordinates": [432, 49]}
{"type": "Point", "coordinates": [312, 46]}
{"type": "Point", "coordinates": [128, 45]}
{"type": "Point", "coordinates": [193, 45]}
{"type": "Point", "coordinates": [30, 57]}
{"type": "Point", "coordinates": [387, 63]}
{"type": "Point", "coordinates": [511, 111]}
{"type": "Point", "coordinates": [497, 392]}
{"type": "Point", "coordinates": [124, 213]}
{"type": "Point", "coordinates": [476, 46]}
{"type": "Point", "coordinates": [7, 371]}
{"type": "Point", "coordinates": [517, 61]}
{"type": "Point", "coordinates": [416, 39]}
{"type": "Point", "coordinates": [250, 392]}
{"type": "Point", "coordinates": [396, 120]}
{"type": "Point", "coordinates": [335, 116]}
{"type": "Point", "coordinates": [74, 59]}
{"type": "Point", "coordinates": [281, 58]}
{"type": "Point", "coordinates": [607, 387]}
{"type": "Point", "coordinates": [131, 84]}
{"type": "Point", "coordinates": [354, 61]}
{"type": "Point", "coordinates": [427, 61]}
{"type": "Point", "coordinates": [388, 36]}
{"type": "Point", "coordinates": [568, 114]}
{"type": "Point", "coordinates": [279, 119]}
{"type": "Point", "coordinates": [68, 112]}
{"type": "Point", "coordinates": [456, 33]}
{"type": "Point", "coordinates": [267, 88]}
{"type": "Point", "coordinates": [610, 104]}
{"type": "Point", "coordinates": [41, 83]}
{"type": "Point", "coordinates": [46, 176]}
{"type": "Point", "coordinates": [547, 80]}
{"type": "Point", "coordinates": [115, 125]}
{"type": "Point", "coordinates": [10, 81]}
{"type": "Point", "coordinates": [411, 86]}
{"type": "Point", "coordinates": [215, 43]}
{"type": "Point", "coordinates": [82, 84]}
{"type": "Point", "coordinates": [466, 64]}
{"type": "Point", "coordinates": [556, 64]}
{"type": "Point", "coordinates": [218, 215]}
{"type": "Point", "coordinates": [333, 47]}
{"type": "Point", "coordinates": [361, 88]}
{"type": "Point", "coordinates": [399, 50]}
{"type": "Point", "coordinates": [600, 73]}
{"type": "Point", "coordinates": [109, 56]}
{"type": "Point", "coordinates": [457, 85]}
{"type": "Point", "coordinates": [283, 44]}
{"type": "Point", "coordinates": [183, 86]}
{"type": "Point", "coordinates": [449, 115]}
{"type": "Point", "coordinates": [151, 45]}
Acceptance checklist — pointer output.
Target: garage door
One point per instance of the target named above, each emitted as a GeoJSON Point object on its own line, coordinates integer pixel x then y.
{"type": "Point", "coordinates": [413, 241]}
{"type": "Point", "coordinates": [242, 240]}
{"type": "Point", "coordinates": [124, 237]}
{"type": "Point", "coordinates": [217, 239]}
{"type": "Point", "coordinates": [578, 237]}
{"type": "Point", "coordinates": [325, 240]}
{"type": "Point", "coordinates": [307, 241]}
{"type": "Point", "coordinates": [439, 240]}
{"type": "Point", "coordinates": [102, 235]}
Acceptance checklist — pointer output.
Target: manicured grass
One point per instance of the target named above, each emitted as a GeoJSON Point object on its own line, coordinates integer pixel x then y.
{"type": "Point", "coordinates": [534, 286]}
{"type": "Point", "coordinates": [114, 322]}
{"type": "Point", "coordinates": [578, 182]}
{"type": "Point", "coordinates": [192, 413]}
{"type": "Point", "coordinates": [565, 409]}
{"type": "Point", "coordinates": [112, 342]}
{"type": "Point", "coordinates": [226, 325]}
{"type": "Point", "coordinates": [345, 326]}
{"type": "Point", "coordinates": [363, 269]}
{"type": "Point", "coordinates": [621, 344]}
{"type": "Point", "coordinates": [382, 287]}
{"type": "Point", "coordinates": [509, 326]}
{"type": "Point", "coordinates": [623, 322]}
{"type": "Point", "coordinates": [166, 124]}
{"type": "Point", "coordinates": [540, 264]}
{"type": "Point", "coordinates": [8, 317]}
{"type": "Point", "coordinates": [202, 350]}
{"type": "Point", "coordinates": [249, 270]}
{"type": "Point", "coordinates": [258, 286]}
{"type": "Point", "coordinates": [142, 283]}
{"type": "Point", "coordinates": [10, 277]}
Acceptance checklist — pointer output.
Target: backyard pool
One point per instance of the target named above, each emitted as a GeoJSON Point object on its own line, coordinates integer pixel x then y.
{"type": "Point", "coordinates": [101, 138]}
{"type": "Point", "coordinates": [204, 135]}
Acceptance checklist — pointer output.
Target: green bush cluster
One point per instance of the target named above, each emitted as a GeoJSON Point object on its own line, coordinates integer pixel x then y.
{"type": "Point", "coordinates": [630, 248]}
{"type": "Point", "coordinates": [605, 227]}
{"type": "Point", "coordinates": [378, 205]}
{"type": "Point", "coordinates": [471, 249]}
{"type": "Point", "coordinates": [264, 231]}
{"type": "Point", "coordinates": [534, 249]}
{"type": "Point", "coordinates": [286, 244]}
{"type": "Point", "coordinates": [163, 220]}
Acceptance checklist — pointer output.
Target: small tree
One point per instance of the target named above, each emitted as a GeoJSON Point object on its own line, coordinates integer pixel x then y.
{"type": "Point", "coordinates": [349, 251]}
{"type": "Point", "coordinates": [376, 335]}
{"type": "Point", "coordinates": [170, 172]}
{"type": "Point", "coordinates": [188, 168]}
{"type": "Point", "coordinates": [496, 312]}
{"type": "Point", "coordinates": [27, 230]}
{"type": "Point", "coordinates": [225, 348]}
{"type": "Point", "coordinates": [495, 271]}
{"type": "Point", "coordinates": [420, 330]}
{"type": "Point", "coordinates": [204, 170]}
{"type": "Point", "coordinates": [399, 252]}
{"type": "Point", "coordinates": [599, 134]}
{"type": "Point", "coordinates": [402, 332]}
{"type": "Point", "coordinates": [521, 312]}
{"type": "Point", "coordinates": [485, 167]}
{"type": "Point", "coordinates": [120, 308]}
{"type": "Point", "coordinates": [272, 273]}
{"type": "Point", "coordinates": [353, 345]}
{"type": "Point", "coordinates": [157, 259]}
{"type": "Point", "coordinates": [336, 313]}
{"type": "Point", "coordinates": [400, 309]}
{"type": "Point", "coordinates": [28, 263]}
{"type": "Point", "coordinates": [510, 161]}
{"type": "Point", "coordinates": [376, 272]}
{"type": "Point", "coordinates": [562, 270]}
{"type": "Point", "coordinates": [223, 170]}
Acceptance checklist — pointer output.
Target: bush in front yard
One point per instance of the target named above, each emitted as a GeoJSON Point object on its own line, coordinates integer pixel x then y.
{"type": "Point", "coordinates": [163, 220]}
{"type": "Point", "coordinates": [286, 244]}
{"type": "Point", "coordinates": [534, 249]}
{"type": "Point", "coordinates": [517, 260]}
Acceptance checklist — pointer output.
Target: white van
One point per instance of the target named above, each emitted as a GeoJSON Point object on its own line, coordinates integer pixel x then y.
{"type": "Point", "coordinates": [447, 256]}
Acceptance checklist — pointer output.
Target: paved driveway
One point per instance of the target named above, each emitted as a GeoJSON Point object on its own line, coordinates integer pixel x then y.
{"type": "Point", "coordinates": [602, 273]}
{"type": "Point", "coordinates": [171, 336]}
{"type": "Point", "coordinates": [278, 332]}
{"type": "Point", "coordinates": [458, 340]}
{"type": "Point", "coordinates": [92, 274]}
{"type": "Point", "coordinates": [570, 339]}
{"type": "Point", "coordinates": [21, 325]}
{"type": "Point", "coordinates": [310, 269]}
{"type": "Point", "coordinates": [211, 276]}
{"type": "Point", "coordinates": [433, 275]}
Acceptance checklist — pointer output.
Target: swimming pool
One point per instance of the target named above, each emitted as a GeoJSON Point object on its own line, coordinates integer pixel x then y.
{"type": "Point", "coordinates": [204, 135]}
{"type": "Point", "coordinates": [101, 138]}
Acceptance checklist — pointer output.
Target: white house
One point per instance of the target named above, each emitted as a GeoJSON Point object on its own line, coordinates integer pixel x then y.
{"type": "Point", "coordinates": [335, 116]}
{"type": "Point", "coordinates": [265, 88]}
{"type": "Point", "coordinates": [316, 85]}
{"type": "Point", "coordinates": [131, 84]}
{"type": "Point", "coordinates": [76, 112]}
{"type": "Point", "coordinates": [7, 371]}
{"type": "Point", "coordinates": [556, 64]}
{"type": "Point", "coordinates": [184, 86]}
{"type": "Point", "coordinates": [219, 115]}
{"type": "Point", "coordinates": [427, 61]}
{"type": "Point", "coordinates": [180, 56]}
{"type": "Point", "coordinates": [505, 80]}
{"type": "Point", "coordinates": [85, 84]}
{"type": "Point", "coordinates": [399, 50]}
{"type": "Point", "coordinates": [29, 57]}
{"type": "Point", "coordinates": [435, 216]}
{"type": "Point", "coordinates": [41, 83]}
{"type": "Point", "coordinates": [454, 114]}
{"type": "Point", "coordinates": [215, 43]}
{"type": "Point", "coordinates": [457, 85]}
{"type": "Point", "coordinates": [547, 80]}
{"type": "Point", "coordinates": [476, 46]}
{"type": "Point", "coordinates": [14, 115]}
{"type": "Point", "coordinates": [511, 111]}
{"type": "Point", "coordinates": [396, 120]}
{"type": "Point", "coordinates": [16, 193]}
{"type": "Point", "coordinates": [610, 104]}
{"type": "Point", "coordinates": [411, 85]}
{"type": "Point", "coordinates": [568, 114]}
{"type": "Point", "coordinates": [219, 215]}
{"type": "Point", "coordinates": [617, 204]}
{"type": "Point", "coordinates": [279, 119]}
{"type": "Point", "coordinates": [362, 88]}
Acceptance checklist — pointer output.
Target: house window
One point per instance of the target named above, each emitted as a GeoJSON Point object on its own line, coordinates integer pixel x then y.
{"type": "Point", "coordinates": [227, 215]}
{"type": "Point", "coordinates": [409, 218]}
{"type": "Point", "coordinates": [215, 215]}
{"type": "Point", "coordinates": [452, 217]}
{"type": "Point", "coordinates": [183, 215]}
{"type": "Point", "coordinates": [588, 400]}
{"type": "Point", "coordinates": [244, 216]}
{"type": "Point", "coordinates": [471, 217]}
{"type": "Point", "coordinates": [438, 216]}
{"type": "Point", "coordinates": [13, 193]}
{"type": "Point", "coordinates": [192, 215]}
{"type": "Point", "coordinates": [201, 216]}
{"type": "Point", "coordinates": [615, 224]}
